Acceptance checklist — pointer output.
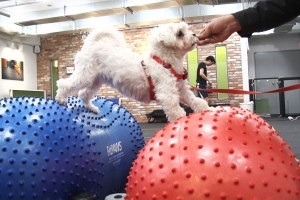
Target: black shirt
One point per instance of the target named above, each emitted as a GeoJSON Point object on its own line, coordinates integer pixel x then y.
{"type": "Point", "coordinates": [199, 78]}
{"type": "Point", "coordinates": [266, 15]}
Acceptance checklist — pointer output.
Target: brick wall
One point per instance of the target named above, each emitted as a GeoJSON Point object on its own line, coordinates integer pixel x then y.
{"type": "Point", "coordinates": [64, 47]}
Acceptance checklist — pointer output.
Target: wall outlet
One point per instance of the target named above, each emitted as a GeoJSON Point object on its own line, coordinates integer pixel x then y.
{"type": "Point", "coordinates": [70, 70]}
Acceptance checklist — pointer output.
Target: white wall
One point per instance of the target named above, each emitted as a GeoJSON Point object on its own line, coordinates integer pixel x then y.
{"type": "Point", "coordinates": [30, 68]}
{"type": "Point", "coordinates": [244, 52]}
{"type": "Point", "coordinates": [271, 43]}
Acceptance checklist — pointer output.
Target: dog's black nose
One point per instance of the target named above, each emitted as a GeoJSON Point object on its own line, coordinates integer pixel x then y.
{"type": "Point", "coordinates": [194, 34]}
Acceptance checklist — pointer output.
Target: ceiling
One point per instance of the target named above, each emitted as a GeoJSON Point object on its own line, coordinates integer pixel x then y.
{"type": "Point", "coordinates": [29, 18]}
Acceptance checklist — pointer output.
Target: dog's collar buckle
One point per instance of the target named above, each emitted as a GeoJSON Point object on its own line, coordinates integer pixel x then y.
{"type": "Point", "coordinates": [169, 66]}
{"type": "Point", "coordinates": [180, 76]}
{"type": "Point", "coordinates": [185, 74]}
{"type": "Point", "coordinates": [143, 64]}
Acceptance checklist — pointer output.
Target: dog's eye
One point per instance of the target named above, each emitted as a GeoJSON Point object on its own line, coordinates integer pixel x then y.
{"type": "Point", "coordinates": [180, 34]}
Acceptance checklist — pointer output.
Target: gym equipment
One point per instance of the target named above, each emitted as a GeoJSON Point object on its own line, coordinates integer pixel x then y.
{"type": "Point", "coordinates": [50, 151]}
{"type": "Point", "coordinates": [117, 196]}
{"type": "Point", "coordinates": [227, 154]}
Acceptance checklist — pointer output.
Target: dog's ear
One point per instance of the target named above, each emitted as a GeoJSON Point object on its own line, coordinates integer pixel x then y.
{"type": "Point", "coordinates": [164, 34]}
{"type": "Point", "coordinates": [182, 29]}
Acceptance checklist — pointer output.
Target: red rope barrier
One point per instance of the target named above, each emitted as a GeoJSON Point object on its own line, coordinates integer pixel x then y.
{"type": "Point", "coordinates": [235, 91]}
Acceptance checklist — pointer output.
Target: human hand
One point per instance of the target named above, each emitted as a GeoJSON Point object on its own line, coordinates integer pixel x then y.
{"type": "Point", "coordinates": [209, 86]}
{"type": "Point", "coordinates": [218, 30]}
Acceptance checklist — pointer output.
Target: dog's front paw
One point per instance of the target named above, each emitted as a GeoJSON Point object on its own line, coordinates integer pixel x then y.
{"type": "Point", "coordinates": [62, 101]}
{"type": "Point", "coordinates": [215, 109]}
{"type": "Point", "coordinates": [93, 108]}
{"type": "Point", "coordinates": [200, 105]}
{"type": "Point", "coordinates": [173, 116]}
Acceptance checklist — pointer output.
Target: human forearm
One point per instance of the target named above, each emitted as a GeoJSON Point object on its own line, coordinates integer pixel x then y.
{"type": "Point", "coordinates": [204, 77]}
{"type": "Point", "coordinates": [266, 15]}
{"type": "Point", "coordinates": [233, 24]}
{"type": "Point", "coordinates": [263, 16]}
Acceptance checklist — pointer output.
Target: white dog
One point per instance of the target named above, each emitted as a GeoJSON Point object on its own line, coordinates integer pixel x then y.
{"type": "Point", "coordinates": [104, 59]}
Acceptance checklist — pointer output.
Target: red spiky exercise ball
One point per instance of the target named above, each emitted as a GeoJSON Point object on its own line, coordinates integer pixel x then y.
{"type": "Point", "coordinates": [228, 154]}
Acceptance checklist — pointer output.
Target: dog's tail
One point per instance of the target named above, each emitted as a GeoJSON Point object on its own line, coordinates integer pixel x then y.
{"type": "Point", "coordinates": [107, 34]}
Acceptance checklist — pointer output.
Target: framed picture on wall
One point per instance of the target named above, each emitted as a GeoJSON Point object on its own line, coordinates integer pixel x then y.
{"type": "Point", "coordinates": [12, 69]}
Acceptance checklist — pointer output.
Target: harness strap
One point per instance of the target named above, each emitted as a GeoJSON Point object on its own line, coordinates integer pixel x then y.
{"type": "Point", "coordinates": [169, 66]}
{"type": "Point", "coordinates": [151, 86]}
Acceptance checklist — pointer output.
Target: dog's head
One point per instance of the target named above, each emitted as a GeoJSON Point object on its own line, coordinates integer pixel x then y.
{"type": "Point", "coordinates": [173, 36]}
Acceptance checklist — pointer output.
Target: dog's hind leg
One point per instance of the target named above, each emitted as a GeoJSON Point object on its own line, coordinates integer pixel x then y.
{"type": "Point", "coordinates": [88, 93]}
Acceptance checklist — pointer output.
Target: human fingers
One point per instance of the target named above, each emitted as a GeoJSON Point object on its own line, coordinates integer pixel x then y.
{"type": "Point", "coordinates": [206, 41]}
{"type": "Point", "coordinates": [203, 42]}
{"type": "Point", "coordinates": [204, 33]}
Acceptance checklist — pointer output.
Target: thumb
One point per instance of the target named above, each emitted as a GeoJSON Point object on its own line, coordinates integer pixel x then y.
{"type": "Point", "coordinates": [204, 33]}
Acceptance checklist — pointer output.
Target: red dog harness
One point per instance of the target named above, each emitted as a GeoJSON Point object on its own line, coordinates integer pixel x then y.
{"type": "Point", "coordinates": [167, 66]}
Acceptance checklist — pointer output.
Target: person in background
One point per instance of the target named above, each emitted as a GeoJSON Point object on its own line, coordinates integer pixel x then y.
{"type": "Point", "coordinates": [263, 16]}
{"type": "Point", "coordinates": [202, 79]}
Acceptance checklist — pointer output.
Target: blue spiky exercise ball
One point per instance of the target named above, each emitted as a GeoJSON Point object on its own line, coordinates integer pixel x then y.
{"type": "Point", "coordinates": [50, 151]}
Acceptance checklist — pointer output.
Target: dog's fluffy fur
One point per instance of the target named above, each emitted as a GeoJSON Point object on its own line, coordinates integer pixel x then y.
{"type": "Point", "coordinates": [105, 59]}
